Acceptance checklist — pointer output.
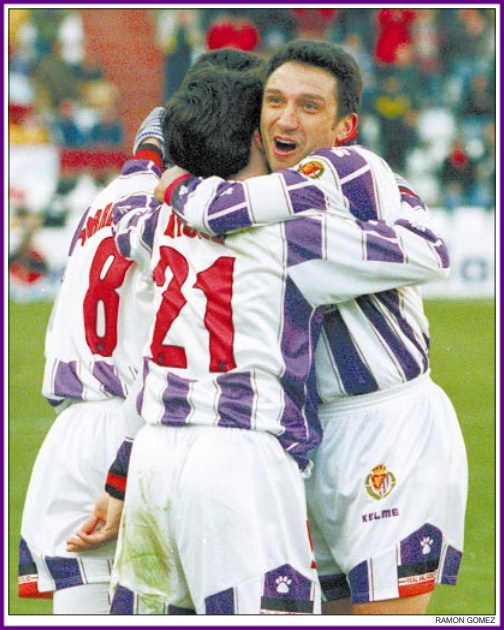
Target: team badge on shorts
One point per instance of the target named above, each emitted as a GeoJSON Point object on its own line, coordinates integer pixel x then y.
{"type": "Point", "coordinates": [313, 169]}
{"type": "Point", "coordinates": [380, 482]}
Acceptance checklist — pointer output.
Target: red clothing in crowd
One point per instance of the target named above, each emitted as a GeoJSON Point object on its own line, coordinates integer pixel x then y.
{"type": "Point", "coordinates": [395, 32]}
{"type": "Point", "coordinates": [238, 33]}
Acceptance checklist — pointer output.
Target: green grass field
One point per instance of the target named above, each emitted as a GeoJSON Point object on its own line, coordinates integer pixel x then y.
{"type": "Point", "coordinates": [463, 363]}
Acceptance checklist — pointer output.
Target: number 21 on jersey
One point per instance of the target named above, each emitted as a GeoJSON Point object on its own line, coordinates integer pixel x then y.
{"type": "Point", "coordinates": [216, 283]}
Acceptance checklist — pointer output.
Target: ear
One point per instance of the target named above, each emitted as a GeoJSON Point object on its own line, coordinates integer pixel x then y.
{"type": "Point", "coordinates": [257, 140]}
{"type": "Point", "coordinates": [346, 128]}
{"type": "Point", "coordinates": [256, 147]}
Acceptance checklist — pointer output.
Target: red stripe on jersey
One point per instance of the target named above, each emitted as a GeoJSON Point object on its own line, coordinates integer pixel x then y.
{"type": "Point", "coordinates": [146, 153]}
{"type": "Point", "coordinates": [28, 587]}
{"type": "Point", "coordinates": [116, 481]}
{"type": "Point", "coordinates": [174, 185]}
{"type": "Point", "coordinates": [417, 585]}
{"type": "Point", "coordinates": [313, 564]}
{"type": "Point", "coordinates": [309, 535]}
{"type": "Point", "coordinates": [403, 190]}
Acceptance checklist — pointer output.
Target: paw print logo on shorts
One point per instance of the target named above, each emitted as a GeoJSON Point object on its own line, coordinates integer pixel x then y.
{"type": "Point", "coordinates": [282, 584]}
{"type": "Point", "coordinates": [426, 543]}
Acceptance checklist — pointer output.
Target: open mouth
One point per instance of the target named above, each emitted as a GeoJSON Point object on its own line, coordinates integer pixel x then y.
{"type": "Point", "coordinates": [285, 146]}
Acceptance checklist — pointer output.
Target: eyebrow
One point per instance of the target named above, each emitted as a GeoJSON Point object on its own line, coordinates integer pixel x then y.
{"type": "Point", "coordinates": [306, 95]}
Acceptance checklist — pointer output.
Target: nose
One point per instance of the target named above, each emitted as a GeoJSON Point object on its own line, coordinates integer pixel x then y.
{"type": "Point", "coordinates": [288, 118]}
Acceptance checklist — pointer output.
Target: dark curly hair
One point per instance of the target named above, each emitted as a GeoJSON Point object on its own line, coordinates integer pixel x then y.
{"type": "Point", "coordinates": [230, 58]}
{"type": "Point", "coordinates": [210, 120]}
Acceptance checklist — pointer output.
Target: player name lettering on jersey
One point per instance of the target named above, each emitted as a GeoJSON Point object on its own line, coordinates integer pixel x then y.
{"type": "Point", "coordinates": [176, 228]}
{"type": "Point", "coordinates": [102, 218]}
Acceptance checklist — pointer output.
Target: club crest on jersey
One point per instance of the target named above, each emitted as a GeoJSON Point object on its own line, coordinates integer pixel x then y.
{"type": "Point", "coordinates": [380, 482]}
{"type": "Point", "coordinates": [313, 169]}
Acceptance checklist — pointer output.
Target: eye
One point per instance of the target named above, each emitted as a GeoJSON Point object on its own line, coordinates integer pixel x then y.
{"type": "Point", "coordinates": [273, 99]}
{"type": "Point", "coordinates": [310, 106]}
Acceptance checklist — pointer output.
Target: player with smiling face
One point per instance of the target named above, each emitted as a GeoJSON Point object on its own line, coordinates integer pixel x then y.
{"type": "Point", "coordinates": [301, 113]}
{"type": "Point", "coordinates": [388, 493]}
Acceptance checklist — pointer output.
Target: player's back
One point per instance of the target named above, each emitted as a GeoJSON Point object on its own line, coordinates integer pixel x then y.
{"type": "Point", "coordinates": [99, 319]}
{"type": "Point", "coordinates": [233, 339]}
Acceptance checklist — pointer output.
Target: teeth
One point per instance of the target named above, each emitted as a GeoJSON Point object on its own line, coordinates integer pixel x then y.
{"type": "Point", "coordinates": [283, 145]}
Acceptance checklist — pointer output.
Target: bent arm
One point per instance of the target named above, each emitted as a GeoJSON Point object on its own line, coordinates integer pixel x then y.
{"type": "Point", "coordinates": [348, 182]}
{"type": "Point", "coordinates": [333, 260]}
{"type": "Point", "coordinates": [135, 213]}
{"type": "Point", "coordinates": [216, 206]}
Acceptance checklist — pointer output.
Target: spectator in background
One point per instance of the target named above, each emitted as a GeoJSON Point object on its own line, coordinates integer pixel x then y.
{"type": "Point", "coordinates": [426, 42]}
{"type": "Point", "coordinates": [275, 26]}
{"type": "Point", "coordinates": [71, 37]}
{"type": "Point", "coordinates": [233, 30]}
{"type": "Point", "coordinates": [476, 47]}
{"type": "Point", "coordinates": [457, 177]}
{"type": "Point", "coordinates": [468, 48]}
{"type": "Point", "coordinates": [21, 90]}
{"type": "Point", "coordinates": [354, 45]}
{"type": "Point", "coordinates": [480, 99]}
{"type": "Point", "coordinates": [66, 131]}
{"type": "Point", "coordinates": [92, 121]}
{"type": "Point", "coordinates": [180, 37]}
{"type": "Point", "coordinates": [26, 126]}
{"type": "Point", "coordinates": [482, 192]}
{"type": "Point", "coordinates": [21, 52]}
{"type": "Point", "coordinates": [397, 123]}
{"type": "Point", "coordinates": [394, 35]}
{"type": "Point", "coordinates": [101, 114]}
{"type": "Point", "coordinates": [88, 69]}
{"type": "Point", "coordinates": [359, 21]}
{"type": "Point", "coordinates": [315, 23]}
{"type": "Point", "coordinates": [108, 132]}
{"type": "Point", "coordinates": [46, 23]}
{"type": "Point", "coordinates": [478, 107]}
{"type": "Point", "coordinates": [55, 80]}
{"type": "Point", "coordinates": [18, 19]}
{"type": "Point", "coordinates": [27, 266]}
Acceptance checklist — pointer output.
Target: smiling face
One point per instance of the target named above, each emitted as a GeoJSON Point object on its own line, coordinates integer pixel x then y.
{"type": "Point", "coordinates": [300, 114]}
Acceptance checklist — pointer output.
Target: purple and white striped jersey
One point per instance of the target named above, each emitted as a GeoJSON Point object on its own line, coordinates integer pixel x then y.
{"type": "Point", "coordinates": [238, 318]}
{"type": "Point", "coordinates": [374, 339]}
{"type": "Point", "coordinates": [99, 321]}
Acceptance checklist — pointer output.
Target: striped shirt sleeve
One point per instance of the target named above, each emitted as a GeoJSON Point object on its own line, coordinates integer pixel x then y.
{"type": "Point", "coordinates": [361, 257]}
{"type": "Point", "coordinates": [135, 214]}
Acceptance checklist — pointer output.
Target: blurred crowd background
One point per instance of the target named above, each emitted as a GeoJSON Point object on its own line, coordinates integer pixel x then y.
{"type": "Point", "coordinates": [81, 80]}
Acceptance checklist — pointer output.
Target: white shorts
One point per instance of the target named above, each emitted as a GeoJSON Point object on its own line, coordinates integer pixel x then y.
{"type": "Point", "coordinates": [214, 522]}
{"type": "Point", "coordinates": [68, 476]}
{"type": "Point", "coordinates": [388, 493]}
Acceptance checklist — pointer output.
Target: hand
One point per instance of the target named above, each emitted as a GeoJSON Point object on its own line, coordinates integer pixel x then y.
{"type": "Point", "coordinates": [168, 177]}
{"type": "Point", "coordinates": [100, 528]}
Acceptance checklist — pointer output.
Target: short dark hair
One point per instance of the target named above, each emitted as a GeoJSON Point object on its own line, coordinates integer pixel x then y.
{"type": "Point", "coordinates": [230, 58]}
{"type": "Point", "coordinates": [210, 120]}
{"type": "Point", "coordinates": [329, 57]}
